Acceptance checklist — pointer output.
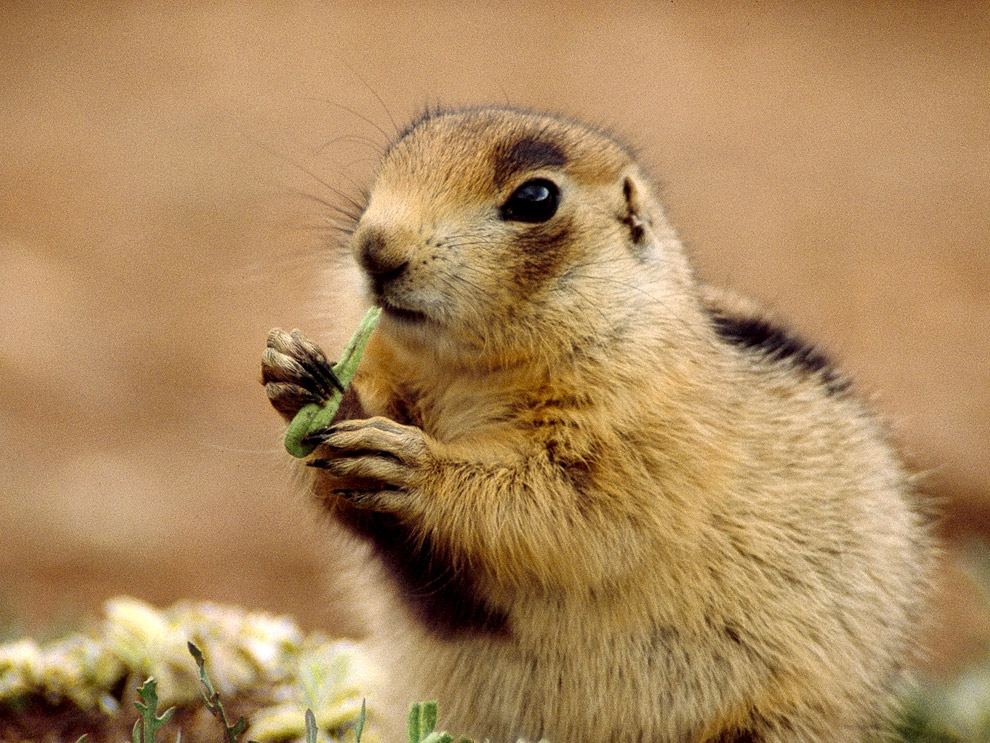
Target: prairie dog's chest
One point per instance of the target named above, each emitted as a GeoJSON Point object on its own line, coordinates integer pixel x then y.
{"type": "Point", "coordinates": [459, 410]}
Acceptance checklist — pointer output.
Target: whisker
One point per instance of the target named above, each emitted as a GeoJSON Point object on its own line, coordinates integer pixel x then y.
{"type": "Point", "coordinates": [478, 270]}
{"type": "Point", "coordinates": [299, 166]}
{"type": "Point", "coordinates": [359, 115]}
{"type": "Point", "coordinates": [460, 281]}
{"type": "Point", "coordinates": [355, 138]}
{"type": "Point", "coordinates": [373, 92]}
{"type": "Point", "coordinates": [344, 231]}
{"type": "Point", "coordinates": [350, 216]}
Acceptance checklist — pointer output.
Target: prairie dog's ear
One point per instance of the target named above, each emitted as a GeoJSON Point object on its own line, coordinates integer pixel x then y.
{"type": "Point", "coordinates": [635, 216]}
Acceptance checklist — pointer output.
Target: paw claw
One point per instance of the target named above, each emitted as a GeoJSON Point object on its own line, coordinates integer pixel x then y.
{"type": "Point", "coordinates": [319, 435]}
{"type": "Point", "coordinates": [289, 398]}
{"type": "Point", "coordinates": [295, 372]}
{"type": "Point", "coordinates": [314, 361]}
{"type": "Point", "coordinates": [372, 500]}
{"type": "Point", "coordinates": [280, 367]}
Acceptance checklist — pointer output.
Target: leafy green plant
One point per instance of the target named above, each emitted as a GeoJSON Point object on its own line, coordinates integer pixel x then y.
{"type": "Point", "coordinates": [359, 725]}
{"type": "Point", "coordinates": [146, 727]}
{"type": "Point", "coordinates": [422, 723]}
{"type": "Point", "coordinates": [917, 724]}
{"type": "Point", "coordinates": [312, 731]}
{"type": "Point", "coordinates": [269, 663]}
{"type": "Point", "coordinates": [211, 698]}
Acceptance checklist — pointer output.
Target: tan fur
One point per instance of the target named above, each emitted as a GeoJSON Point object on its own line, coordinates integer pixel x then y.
{"type": "Point", "coordinates": [687, 539]}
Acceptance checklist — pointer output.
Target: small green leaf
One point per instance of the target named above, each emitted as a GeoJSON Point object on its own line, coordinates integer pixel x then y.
{"type": "Point", "coordinates": [413, 723]}
{"type": "Point", "coordinates": [196, 654]}
{"type": "Point", "coordinates": [237, 728]}
{"type": "Point", "coordinates": [211, 698]}
{"type": "Point", "coordinates": [436, 737]}
{"type": "Point", "coordinates": [359, 725]}
{"type": "Point", "coordinates": [204, 679]}
{"type": "Point", "coordinates": [311, 730]}
{"type": "Point", "coordinates": [427, 718]}
{"type": "Point", "coordinates": [423, 722]}
{"type": "Point", "coordinates": [146, 727]}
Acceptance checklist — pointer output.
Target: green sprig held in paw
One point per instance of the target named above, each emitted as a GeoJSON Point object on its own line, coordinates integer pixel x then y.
{"type": "Point", "coordinates": [316, 416]}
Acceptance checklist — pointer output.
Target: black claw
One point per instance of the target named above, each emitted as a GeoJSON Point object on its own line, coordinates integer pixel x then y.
{"type": "Point", "coordinates": [333, 378]}
{"type": "Point", "coordinates": [314, 361]}
{"type": "Point", "coordinates": [319, 435]}
{"type": "Point", "coordinates": [288, 398]}
{"type": "Point", "coordinates": [366, 499]}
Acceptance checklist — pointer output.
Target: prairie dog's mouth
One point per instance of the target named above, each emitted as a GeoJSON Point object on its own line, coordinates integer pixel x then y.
{"type": "Point", "coordinates": [402, 314]}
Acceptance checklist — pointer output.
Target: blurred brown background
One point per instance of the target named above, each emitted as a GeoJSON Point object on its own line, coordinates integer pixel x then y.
{"type": "Point", "coordinates": [832, 159]}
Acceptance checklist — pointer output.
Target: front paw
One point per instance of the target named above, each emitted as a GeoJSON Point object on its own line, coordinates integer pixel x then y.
{"type": "Point", "coordinates": [390, 459]}
{"type": "Point", "coordinates": [295, 372]}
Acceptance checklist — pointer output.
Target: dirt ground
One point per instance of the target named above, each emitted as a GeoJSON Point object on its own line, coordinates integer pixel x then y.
{"type": "Point", "coordinates": [156, 168]}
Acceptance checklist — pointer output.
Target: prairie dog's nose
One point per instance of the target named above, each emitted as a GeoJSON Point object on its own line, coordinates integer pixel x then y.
{"type": "Point", "coordinates": [381, 258]}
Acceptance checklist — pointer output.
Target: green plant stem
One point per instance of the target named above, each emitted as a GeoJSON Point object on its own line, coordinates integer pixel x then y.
{"type": "Point", "coordinates": [313, 417]}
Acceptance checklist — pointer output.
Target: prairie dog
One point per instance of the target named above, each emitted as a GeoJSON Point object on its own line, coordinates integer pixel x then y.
{"type": "Point", "coordinates": [611, 504]}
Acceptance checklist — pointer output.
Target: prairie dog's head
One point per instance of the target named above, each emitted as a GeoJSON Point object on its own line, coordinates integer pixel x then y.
{"type": "Point", "coordinates": [491, 234]}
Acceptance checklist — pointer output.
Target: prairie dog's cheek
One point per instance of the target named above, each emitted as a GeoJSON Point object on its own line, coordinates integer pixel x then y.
{"type": "Point", "coordinates": [539, 254]}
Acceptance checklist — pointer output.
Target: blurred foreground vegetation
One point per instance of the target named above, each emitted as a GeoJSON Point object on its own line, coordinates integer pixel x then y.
{"type": "Point", "coordinates": [956, 709]}
{"type": "Point", "coordinates": [263, 666]}
{"type": "Point", "coordinates": [289, 686]}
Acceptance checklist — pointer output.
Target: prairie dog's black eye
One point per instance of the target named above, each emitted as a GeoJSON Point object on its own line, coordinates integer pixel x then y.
{"type": "Point", "coordinates": [533, 201]}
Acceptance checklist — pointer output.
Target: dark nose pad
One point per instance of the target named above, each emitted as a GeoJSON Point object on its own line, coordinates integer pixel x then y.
{"type": "Point", "coordinates": [379, 260]}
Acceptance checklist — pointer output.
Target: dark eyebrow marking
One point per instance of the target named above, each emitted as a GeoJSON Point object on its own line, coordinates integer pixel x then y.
{"type": "Point", "coordinates": [526, 153]}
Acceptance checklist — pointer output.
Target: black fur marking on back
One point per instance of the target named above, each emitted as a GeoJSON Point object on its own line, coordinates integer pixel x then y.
{"type": "Point", "coordinates": [632, 220]}
{"type": "Point", "coordinates": [776, 344]}
{"type": "Point", "coordinates": [738, 736]}
{"type": "Point", "coordinates": [446, 600]}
